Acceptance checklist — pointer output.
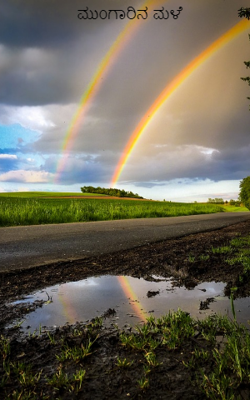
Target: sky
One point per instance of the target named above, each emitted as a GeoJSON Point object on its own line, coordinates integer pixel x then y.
{"type": "Point", "coordinates": [107, 102]}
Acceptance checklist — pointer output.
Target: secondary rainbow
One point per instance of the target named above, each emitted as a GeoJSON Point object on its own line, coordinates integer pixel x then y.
{"type": "Point", "coordinates": [98, 78]}
{"type": "Point", "coordinates": [170, 89]}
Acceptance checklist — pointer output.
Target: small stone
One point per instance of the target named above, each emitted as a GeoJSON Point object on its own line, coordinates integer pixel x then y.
{"type": "Point", "coordinates": [152, 293]}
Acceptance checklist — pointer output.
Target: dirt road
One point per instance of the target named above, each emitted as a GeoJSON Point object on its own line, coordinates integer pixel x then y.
{"type": "Point", "coordinates": [28, 246]}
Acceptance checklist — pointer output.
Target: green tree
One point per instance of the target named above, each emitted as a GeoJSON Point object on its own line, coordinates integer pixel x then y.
{"type": "Point", "coordinates": [110, 192]}
{"type": "Point", "coordinates": [215, 201]}
{"type": "Point", "coordinates": [244, 195]}
{"type": "Point", "coordinates": [245, 13]}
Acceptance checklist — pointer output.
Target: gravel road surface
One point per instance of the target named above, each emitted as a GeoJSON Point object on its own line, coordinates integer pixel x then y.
{"type": "Point", "coordinates": [29, 246]}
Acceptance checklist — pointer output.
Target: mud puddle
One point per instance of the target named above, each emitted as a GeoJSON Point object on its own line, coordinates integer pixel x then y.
{"type": "Point", "coordinates": [125, 301]}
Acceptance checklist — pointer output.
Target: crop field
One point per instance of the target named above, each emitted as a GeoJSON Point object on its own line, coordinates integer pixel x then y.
{"type": "Point", "coordinates": [34, 208]}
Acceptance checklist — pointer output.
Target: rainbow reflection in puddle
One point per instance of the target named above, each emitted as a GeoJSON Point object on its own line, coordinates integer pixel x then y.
{"type": "Point", "coordinates": [132, 299]}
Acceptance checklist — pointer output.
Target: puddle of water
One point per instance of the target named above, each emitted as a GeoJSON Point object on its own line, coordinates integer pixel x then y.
{"type": "Point", "coordinates": [133, 300]}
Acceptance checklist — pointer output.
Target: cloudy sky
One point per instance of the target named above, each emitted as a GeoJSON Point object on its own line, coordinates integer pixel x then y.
{"type": "Point", "coordinates": [73, 91]}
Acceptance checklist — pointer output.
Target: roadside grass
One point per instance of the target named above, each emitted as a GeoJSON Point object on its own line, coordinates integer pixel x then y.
{"type": "Point", "coordinates": [215, 350]}
{"type": "Point", "coordinates": [238, 252]}
{"type": "Point", "coordinates": [222, 250]}
{"type": "Point", "coordinates": [230, 363]}
{"type": "Point", "coordinates": [234, 208]}
{"type": "Point", "coordinates": [16, 211]}
{"type": "Point", "coordinates": [241, 256]}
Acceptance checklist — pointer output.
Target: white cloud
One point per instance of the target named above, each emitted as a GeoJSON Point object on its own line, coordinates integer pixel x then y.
{"type": "Point", "coordinates": [26, 176]}
{"type": "Point", "coordinates": [207, 150]}
{"type": "Point", "coordinates": [8, 156]}
{"type": "Point", "coordinates": [34, 117]}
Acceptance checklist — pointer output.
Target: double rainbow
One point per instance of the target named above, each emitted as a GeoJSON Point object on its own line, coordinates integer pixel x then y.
{"type": "Point", "coordinates": [126, 34]}
{"type": "Point", "coordinates": [95, 84]}
{"type": "Point", "coordinates": [71, 315]}
{"type": "Point", "coordinates": [170, 89]}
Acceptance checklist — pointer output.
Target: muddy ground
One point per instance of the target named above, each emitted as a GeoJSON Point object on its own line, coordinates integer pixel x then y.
{"type": "Point", "coordinates": [104, 380]}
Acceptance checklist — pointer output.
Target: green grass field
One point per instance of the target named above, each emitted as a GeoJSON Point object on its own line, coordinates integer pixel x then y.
{"type": "Point", "coordinates": [35, 208]}
{"type": "Point", "coordinates": [234, 209]}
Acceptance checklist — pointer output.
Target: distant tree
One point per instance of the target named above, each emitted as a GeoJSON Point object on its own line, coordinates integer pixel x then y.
{"type": "Point", "coordinates": [110, 192]}
{"type": "Point", "coordinates": [216, 201]}
{"type": "Point", "coordinates": [219, 201]}
{"type": "Point", "coordinates": [245, 13]}
{"type": "Point", "coordinates": [244, 195]}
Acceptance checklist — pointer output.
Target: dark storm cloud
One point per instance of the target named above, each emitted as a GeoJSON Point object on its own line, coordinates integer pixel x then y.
{"type": "Point", "coordinates": [46, 53]}
{"type": "Point", "coordinates": [19, 87]}
{"type": "Point", "coordinates": [49, 56]}
{"type": "Point", "coordinates": [46, 23]}
{"type": "Point", "coordinates": [39, 23]}
{"type": "Point", "coordinates": [35, 23]}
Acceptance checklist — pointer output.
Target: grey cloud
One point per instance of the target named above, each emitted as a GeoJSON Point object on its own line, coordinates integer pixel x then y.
{"type": "Point", "coordinates": [47, 23]}
{"type": "Point", "coordinates": [189, 162]}
{"type": "Point", "coordinates": [81, 169]}
{"type": "Point", "coordinates": [49, 55]}
{"type": "Point", "coordinates": [39, 77]}
{"type": "Point", "coordinates": [72, 49]}
{"type": "Point", "coordinates": [176, 164]}
{"type": "Point", "coordinates": [149, 185]}
{"type": "Point", "coordinates": [165, 184]}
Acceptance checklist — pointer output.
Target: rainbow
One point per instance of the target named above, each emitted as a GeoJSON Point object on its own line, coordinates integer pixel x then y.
{"type": "Point", "coordinates": [95, 84]}
{"type": "Point", "coordinates": [169, 90]}
{"type": "Point", "coordinates": [68, 309]}
{"type": "Point", "coordinates": [72, 316]}
{"type": "Point", "coordinates": [135, 304]}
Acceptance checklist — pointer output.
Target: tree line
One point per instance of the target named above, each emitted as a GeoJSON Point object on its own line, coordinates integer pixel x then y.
{"type": "Point", "coordinates": [244, 195]}
{"type": "Point", "coordinates": [110, 192]}
{"type": "Point", "coordinates": [232, 202]}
